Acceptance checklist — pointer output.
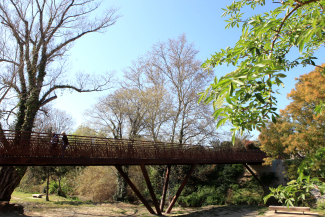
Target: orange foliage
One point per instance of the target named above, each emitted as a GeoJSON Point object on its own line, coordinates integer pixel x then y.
{"type": "Point", "coordinates": [298, 130]}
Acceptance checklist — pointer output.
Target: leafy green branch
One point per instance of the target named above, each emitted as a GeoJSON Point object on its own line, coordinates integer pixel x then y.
{"type": "Point", "coordinates": [260, 56]}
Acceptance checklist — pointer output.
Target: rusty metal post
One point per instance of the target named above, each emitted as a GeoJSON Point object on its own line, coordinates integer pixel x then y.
{"type": "Point", "coordinates": [172, 203]}
{"type": "Point", "coordinates": [253, 174]}
{"type": "Point", "coordinates": [152, 193]}
{"type": "Point", "coordinates": [136, 191]}
{"type": "Point", "coordinates": [163, 197]}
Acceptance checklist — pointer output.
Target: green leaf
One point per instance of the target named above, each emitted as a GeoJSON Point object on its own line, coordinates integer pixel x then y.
{"type": "Point", "coordinates": [233, 137]}
{"type": "Point", "coordinates": [273, 119]}
{"type": "Point", "coordinates": [259, 97]}
{"type": "Point", "coordinates": [231, 89]}
{"type": "Point", "coordinates": [217, 113]}
{"type": "Point", "coordinates": [221, 122]}
{"type": "Point", "coordinates": [239, 82]}
{"type": "Point", "coordinates": [228, 99]}
{"type": "Point", "coordinates": [224, 82]}
{"type": "Point", "coordinates": [281, 75]}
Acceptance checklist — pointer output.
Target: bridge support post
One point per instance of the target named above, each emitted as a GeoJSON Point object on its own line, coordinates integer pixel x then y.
{"type": "Point", "coordinates": [172, 203]}
{"type": "Point", "coordinates": [253, 174]}
{"type": "Point", "coordinates": [152, 193]}
{"type": "Point", "coordinates": [163, 197]}
{"type": "Point", "coordinates": [136, 191]}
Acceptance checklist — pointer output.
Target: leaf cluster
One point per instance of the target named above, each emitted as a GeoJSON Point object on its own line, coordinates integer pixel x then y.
{"type": "Point", "coordinates": [299, 190]}
{"type": "Point", "coordinates": [295, 192]}
{"type": "Point", "coordinates": [260, 55]}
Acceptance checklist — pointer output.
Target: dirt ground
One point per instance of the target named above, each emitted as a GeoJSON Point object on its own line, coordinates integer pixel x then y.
{"type": "Point", "coordinates": [124, 209]}
{"type": "Point", "coordinates": [55, 208]}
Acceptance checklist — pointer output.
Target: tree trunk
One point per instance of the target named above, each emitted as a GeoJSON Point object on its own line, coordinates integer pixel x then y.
{"type": "Point", "coordinates": [9, 179]}
{"type": "Point", "coordinates": [121, 193]}
{"type": "Point", "coordinates": [47, 184]}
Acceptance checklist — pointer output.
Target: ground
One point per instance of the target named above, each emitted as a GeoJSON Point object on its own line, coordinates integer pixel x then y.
{"type": "Point", "coordinates": [58, 206]}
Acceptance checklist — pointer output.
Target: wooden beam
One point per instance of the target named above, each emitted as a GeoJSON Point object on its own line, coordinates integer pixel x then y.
{"type": "Point", "coordinates": [136, 191]}
{"type": "Point", "coordinates": [253, 174]}
{"type": "Point", "coordinates": [152, 193]}
{"type": "Point", "coordinates": [163, 197]}
{"type": "Point", "coordinates": [172, 203]}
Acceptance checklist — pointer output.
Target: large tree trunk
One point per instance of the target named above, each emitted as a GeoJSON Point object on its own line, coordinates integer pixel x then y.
{"type": "Point", "coordinates": [121, 193]}
{"type": "Point", "coordinates": [9, 179]}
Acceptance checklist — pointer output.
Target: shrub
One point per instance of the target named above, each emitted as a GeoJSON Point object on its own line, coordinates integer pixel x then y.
{"type": "Point", "coordinates": [321, 204]}
{"type": "Point", "coordinates": [206, 195]}
{"type": "Point", "coordinates": [245, 196]}
{"type": "Point", "coordinates": [96, 183]}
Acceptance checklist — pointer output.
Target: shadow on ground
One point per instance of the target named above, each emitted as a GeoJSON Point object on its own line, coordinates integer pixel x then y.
{"type": "Point", "coordinates": [226, 211]}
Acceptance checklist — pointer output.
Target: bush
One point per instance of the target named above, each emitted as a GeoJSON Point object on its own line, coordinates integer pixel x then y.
{"type": "Point", "coordinates": [206, 195]}
{"type": "Point", "coordinates": [321, 204]}
{"type": "Point", "coordinates": [210, 185]}
{"type": "Point", "coordinates": [245, 196]}
{"type": "Point", "coordinates": [291, 166]}
{"type": "Point", "coordinates": [96, 183]}
{"type": "Point", "coordinates": [53, 187]}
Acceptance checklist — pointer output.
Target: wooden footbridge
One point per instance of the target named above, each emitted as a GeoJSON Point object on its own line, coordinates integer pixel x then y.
{"type": "Point", "coordinates": [35, 149]}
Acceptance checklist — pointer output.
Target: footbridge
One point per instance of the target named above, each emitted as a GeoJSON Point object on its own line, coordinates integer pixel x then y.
{"type": "Point", "coordinates": [19, 148]}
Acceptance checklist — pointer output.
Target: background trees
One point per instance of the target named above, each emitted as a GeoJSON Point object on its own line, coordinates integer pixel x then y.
{"type": "Point", "coordinates": [158, 98]}
{"type": "Point", "coordinates": [299, 131]}
{"type": "Point", "coordinates": [174, 64]}
{"type": "Point", "coordinates": [35, 37]}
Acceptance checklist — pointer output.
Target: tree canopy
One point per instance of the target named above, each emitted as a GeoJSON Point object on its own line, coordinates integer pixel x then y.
{"type": "Point", "coordinates": [299, 130]}
{"type": "Point", "coordinates": [261, 55]}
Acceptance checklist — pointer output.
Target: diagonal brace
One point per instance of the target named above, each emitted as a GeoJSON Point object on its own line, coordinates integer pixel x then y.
{"type": "Point", "coordinates": [152, 193]}
{"type": "Point", "coordinates": [136, 191]}
{"type": "Point", "coordinates": [163, 197]}
{"type": "Point", "coordinates": [172, 203]}
{"type": "Point", "coordinates": [253, 174]}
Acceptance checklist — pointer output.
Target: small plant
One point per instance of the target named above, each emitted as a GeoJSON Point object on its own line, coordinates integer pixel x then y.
{"type": "Point", "coordinates": [298, 191]}
{"type": "Point", "coordinates": [321, 204]}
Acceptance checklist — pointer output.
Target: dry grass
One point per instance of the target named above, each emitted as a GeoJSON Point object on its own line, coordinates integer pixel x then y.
{"type": "Point", "coordinates": [58, 206]}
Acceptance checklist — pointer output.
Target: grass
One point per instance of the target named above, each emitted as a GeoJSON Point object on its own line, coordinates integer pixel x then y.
{"type": "Point", "coordinates": [262, 210]}
{"type": "Point", "coordinates": [39, 204]}
{"type": "Point", "coordinates": [321, 212]}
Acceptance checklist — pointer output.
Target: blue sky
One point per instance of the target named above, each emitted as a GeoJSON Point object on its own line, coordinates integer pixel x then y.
{"type": "Point", "coordinates": [144, 23]}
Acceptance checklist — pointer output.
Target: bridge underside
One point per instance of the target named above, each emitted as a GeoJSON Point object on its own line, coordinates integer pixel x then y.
{"type": "Point", "coordinates": [118, 163]}
{"type": "Point", "coordinates": [66, 161]}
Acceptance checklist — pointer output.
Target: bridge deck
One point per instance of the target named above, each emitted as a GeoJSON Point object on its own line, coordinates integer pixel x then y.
{"type": "Point", "coordinates": [36, 149]}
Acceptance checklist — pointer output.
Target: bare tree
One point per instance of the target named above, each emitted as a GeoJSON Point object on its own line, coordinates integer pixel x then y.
{"type": "Point", "coordinates": [53, 120]}
{"type": "Point", "coordinates": [174, 64]}
{"type": "Point", "coordinates": [159, 114]}
{"type": "Point", "coordinates": [36, 34]}
{"type": "Point", "coordinates": [160, 94]}
{"type": "Point", "coordinates": [108, 115]}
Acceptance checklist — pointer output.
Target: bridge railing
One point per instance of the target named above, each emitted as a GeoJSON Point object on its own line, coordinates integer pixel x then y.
{"type": "Point", "coordinates": [31, 144]}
